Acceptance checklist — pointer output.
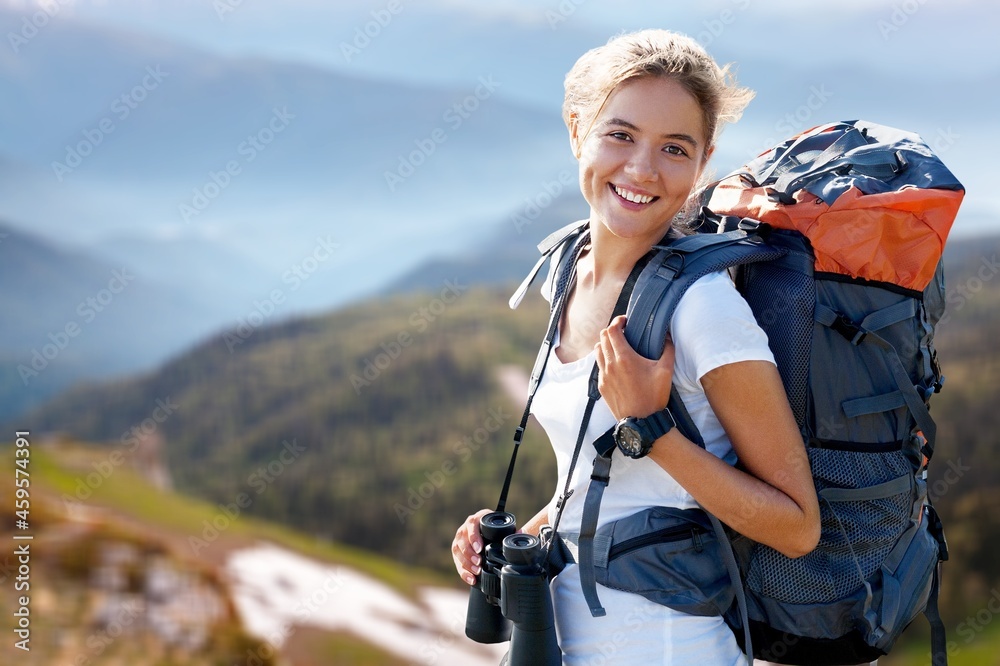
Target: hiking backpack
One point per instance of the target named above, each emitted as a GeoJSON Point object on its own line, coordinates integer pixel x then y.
{"type": "Point", "coordinates": [834, 238]}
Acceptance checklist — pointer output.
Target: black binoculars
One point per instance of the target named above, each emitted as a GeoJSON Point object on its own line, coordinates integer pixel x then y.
{"type": "Point", "coordinates": [511, 598]}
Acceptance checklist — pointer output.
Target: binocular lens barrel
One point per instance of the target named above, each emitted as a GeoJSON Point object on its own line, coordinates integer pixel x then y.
{"type": "Point", "coordinates": [484, 623]}
{"type": "Point", "coordinates": [513, 589]}
{"type": "Point", "coordinates": [526, 601]}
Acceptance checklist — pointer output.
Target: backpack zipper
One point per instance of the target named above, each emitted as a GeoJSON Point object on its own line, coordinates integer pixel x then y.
{"type": "Point", "coordinates": [666, 535]}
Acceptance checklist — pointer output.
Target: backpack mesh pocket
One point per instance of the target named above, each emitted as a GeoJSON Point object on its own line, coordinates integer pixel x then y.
{"type": "Point", "coordinates": [865, 530]}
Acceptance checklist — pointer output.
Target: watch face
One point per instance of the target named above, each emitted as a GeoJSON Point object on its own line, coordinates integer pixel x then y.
{"type": "Point", "coordinates": [630, 440]}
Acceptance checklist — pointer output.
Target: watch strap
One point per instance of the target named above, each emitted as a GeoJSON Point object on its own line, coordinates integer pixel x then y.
{"type": "Point", "coordinates": [659, 423]}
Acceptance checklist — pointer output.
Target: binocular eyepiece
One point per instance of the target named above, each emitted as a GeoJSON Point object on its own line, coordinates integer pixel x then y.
{"type": "Point", "coordinates": [511, 598]}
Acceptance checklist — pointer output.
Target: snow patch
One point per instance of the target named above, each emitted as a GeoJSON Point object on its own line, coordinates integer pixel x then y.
{"type": "Point", "coordinates": [276, 590]}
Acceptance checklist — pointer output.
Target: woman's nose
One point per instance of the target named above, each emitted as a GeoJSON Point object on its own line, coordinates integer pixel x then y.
{"type": "Point", "coordinates": [641, 166]}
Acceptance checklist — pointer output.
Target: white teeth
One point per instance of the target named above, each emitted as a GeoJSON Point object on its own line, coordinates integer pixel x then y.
{"type": "Point", "coordinates": [632, 196]}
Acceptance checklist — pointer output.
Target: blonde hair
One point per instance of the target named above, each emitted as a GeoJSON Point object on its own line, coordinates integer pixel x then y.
{"type": "Point", "coordinates": [656, 53]}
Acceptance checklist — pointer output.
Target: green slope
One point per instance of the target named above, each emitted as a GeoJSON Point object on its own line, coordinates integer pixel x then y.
{"type": "Point", "coordinates": [69, 549]}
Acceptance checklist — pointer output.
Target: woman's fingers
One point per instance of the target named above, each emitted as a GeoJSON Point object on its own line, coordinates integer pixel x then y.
{"type": "Point", "coordinates": [614, 335]}
{"type": "Point", "coordinates": [667, 357]}
{"type": "Point", "coordinates": [602, 361]}
{"type": "Point", "coordinates": [467, 547]}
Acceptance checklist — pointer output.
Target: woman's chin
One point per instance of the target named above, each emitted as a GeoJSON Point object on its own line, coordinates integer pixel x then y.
{"type": "Point", "coordinates": [627, 229]}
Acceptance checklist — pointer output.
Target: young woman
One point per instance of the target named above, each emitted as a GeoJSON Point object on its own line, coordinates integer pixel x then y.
{"type": "Point", "coordinates": [643, 114]}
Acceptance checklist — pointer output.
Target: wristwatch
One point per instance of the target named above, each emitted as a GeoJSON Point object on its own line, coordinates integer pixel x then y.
{"type": "Point", "coordinates": [635, 436]}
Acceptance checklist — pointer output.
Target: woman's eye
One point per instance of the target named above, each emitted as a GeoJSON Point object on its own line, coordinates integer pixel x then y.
{"type": "Point", "coordinates": [623, 136]}
{"type": "Point", "coordinates": [675, 150]}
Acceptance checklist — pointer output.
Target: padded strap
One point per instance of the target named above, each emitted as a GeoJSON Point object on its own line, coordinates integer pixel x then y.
{"type": "Point", "coordinates": [593, 395]}
{"type": "Point", "coordinates": [672, 271]}
{"type": "Point", "coordinates": [698, 242]}
{"type": "Point", "coordinates": [601, 474]}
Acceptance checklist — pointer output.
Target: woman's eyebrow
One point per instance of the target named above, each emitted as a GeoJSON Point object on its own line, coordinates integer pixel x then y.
{"type": "Point", "coordinates": [619, 122]}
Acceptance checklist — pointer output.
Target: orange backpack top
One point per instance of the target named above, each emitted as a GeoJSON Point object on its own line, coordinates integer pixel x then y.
{"type": "Point", "coordinates": [874, 201]}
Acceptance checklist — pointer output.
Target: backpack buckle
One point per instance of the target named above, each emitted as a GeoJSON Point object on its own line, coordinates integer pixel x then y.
{"type": "Point", "coordinates": [601, 478]}
{"type": "Point", "coordinates": [847, 328]}
{"type": "Point", "coordinates": [780, 197]}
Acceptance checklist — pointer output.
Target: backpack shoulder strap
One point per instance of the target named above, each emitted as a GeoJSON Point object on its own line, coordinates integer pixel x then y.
{"type": "Point", "coordinates": [676, 267]}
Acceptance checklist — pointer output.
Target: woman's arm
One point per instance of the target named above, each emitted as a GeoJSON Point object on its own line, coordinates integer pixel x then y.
{"type": "Point", "coordinates": [537, 522]}
{"type": "Point", "coordinates": [774, 501]}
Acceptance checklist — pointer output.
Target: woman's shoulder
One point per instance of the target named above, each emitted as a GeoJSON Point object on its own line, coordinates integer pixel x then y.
{"type": "Point", "coordinates": [713, 325]}
{"type": "Point", "coordinates": [713, 293]}
{"type": "Point", "coordinates": [712, 297]}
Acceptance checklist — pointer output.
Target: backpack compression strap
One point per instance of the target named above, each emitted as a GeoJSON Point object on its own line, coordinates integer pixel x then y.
{"type": "Point", "coordinates": [863, 335]}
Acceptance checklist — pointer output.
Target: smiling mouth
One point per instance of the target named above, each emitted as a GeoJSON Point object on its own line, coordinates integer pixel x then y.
{"type": "Point", "coordinates": [630, 196]}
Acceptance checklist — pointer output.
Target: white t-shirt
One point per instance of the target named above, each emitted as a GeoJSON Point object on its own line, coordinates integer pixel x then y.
{"type": "Point", "coordinates": [712, 326]}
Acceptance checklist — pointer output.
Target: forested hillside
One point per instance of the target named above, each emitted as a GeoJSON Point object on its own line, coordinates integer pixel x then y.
{"type": "Point", "coordinates": [965, 472]}
{"type": "Point", "coordinates": [382, 425]}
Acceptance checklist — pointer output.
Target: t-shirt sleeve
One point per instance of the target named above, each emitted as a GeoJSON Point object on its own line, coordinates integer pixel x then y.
{"type": "Point", "coordinates": [711, 327]}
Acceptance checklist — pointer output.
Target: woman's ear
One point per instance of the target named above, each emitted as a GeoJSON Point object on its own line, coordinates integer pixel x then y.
{"type": "Point", "coordinates": [704, 161]}
{"type": "Point", "coordinates": [574, 134]}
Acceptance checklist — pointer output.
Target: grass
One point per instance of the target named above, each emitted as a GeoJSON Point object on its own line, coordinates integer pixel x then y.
{"type": "Point", "coordinates": [319, 648]}
{"type": "Point", "coordinates": [966, 647]}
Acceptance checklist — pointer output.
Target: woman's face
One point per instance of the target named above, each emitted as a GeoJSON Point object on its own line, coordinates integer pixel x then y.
{"type": "Point", "coordinates": [642, 157]}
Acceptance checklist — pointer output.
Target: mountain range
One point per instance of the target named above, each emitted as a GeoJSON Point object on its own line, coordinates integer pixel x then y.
{"type": "Point", "coordinates": [221, 177]}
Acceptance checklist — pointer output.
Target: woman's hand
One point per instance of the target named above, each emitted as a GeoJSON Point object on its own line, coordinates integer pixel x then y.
{"type": "Point", "coordinates": [631, 384]}
{"type": "Point", "coordinates": [467, 547]}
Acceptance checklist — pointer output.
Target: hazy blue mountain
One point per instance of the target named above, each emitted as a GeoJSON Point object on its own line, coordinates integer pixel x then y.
{"type": "Point", "coordinates": [68, 316]}
{"type": "Point", "coordinates": [312, 152]}
{"type": "Point", "coordinates": [227, 178]}
{"type": "Point", "coordinates": [228, 175]}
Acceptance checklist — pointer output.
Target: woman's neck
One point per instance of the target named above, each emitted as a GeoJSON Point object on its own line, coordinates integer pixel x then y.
{"type": "Point", "coordinates": [613, 257]}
